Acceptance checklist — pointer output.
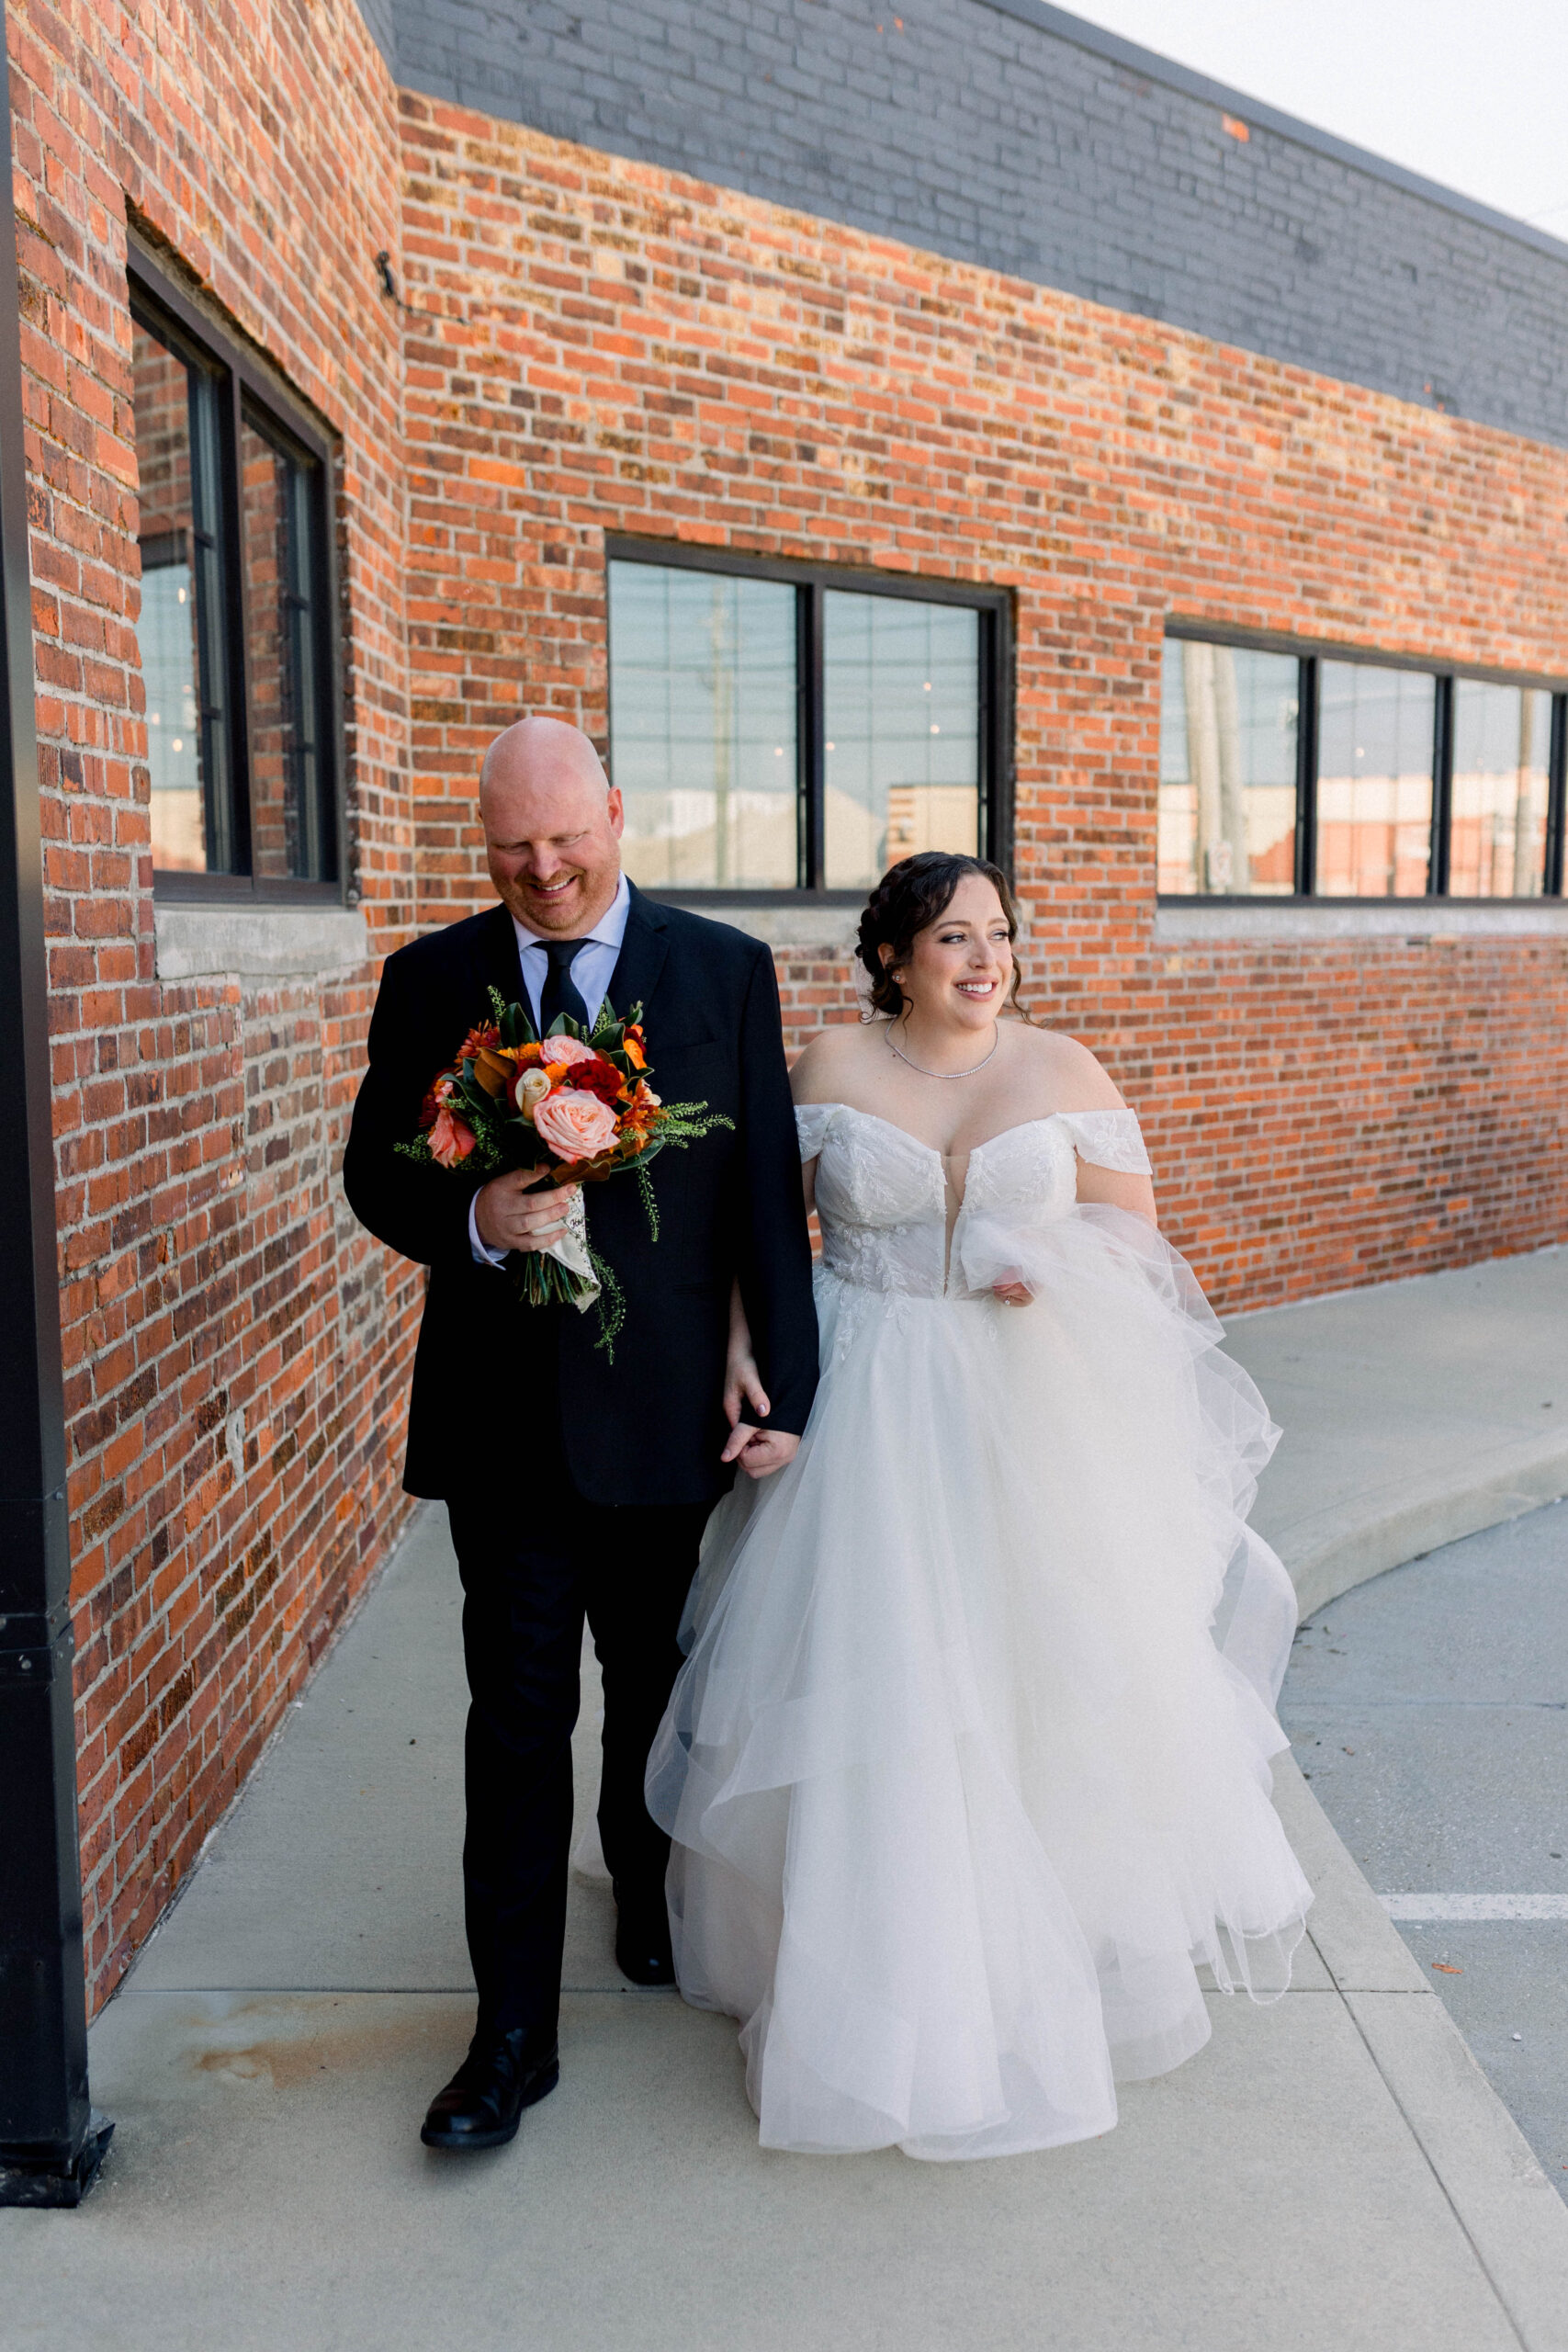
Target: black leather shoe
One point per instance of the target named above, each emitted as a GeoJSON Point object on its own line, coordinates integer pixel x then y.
{"type": "Point", "coordinates": [642, 1941]}
{"type": "Point", "coordinates": [482, 2105]}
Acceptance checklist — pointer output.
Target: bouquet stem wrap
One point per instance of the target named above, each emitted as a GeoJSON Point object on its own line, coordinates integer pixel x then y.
{"type": "Point", "coordinates": [564, 1268]}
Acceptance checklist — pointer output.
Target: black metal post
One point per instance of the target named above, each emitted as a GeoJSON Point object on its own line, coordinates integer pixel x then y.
{"type": "Point", "coordinates": [51, 2141]}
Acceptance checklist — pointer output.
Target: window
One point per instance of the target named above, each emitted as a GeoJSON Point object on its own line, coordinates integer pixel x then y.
{"type": "Point", "coordinates": [1501, 795]}
{"type": "Point", "coordinates": [1229, 745]}
{"type": "Point", "coordinates": [1284, 774]}
{"type": "Point", "coordinates": [1376, 741]}
{"type": "Point", "coordinates": [235, 630]}
{"type": "Point", "coordinates": [775, 729]}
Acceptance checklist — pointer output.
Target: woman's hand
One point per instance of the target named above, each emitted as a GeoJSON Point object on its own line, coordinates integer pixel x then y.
{"type": "Point", "coordinates": [1014, 1293]}
{"type": "Point", "coordinates": [742, 1386]}
{"type": "Point", "coordinates": [759, 1452]}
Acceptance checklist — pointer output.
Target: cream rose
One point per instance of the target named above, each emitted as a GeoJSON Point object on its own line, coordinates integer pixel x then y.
{"type": "Point", "coordinates": [530, 1091]}
{"type": "Point", "coordinates": [576, 1126]}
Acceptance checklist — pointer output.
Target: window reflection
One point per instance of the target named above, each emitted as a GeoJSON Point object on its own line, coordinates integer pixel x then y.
{"type": "Point", "coordinates": [1374, 790]}
{"type": "Point", "coordinates": [902, 726]}
{"type": "Point", "coordinates": [179, 628]}
{"type": "Point", "coordinates": [288, 832]}
{"type": "Point", "coordinates": [1227, 788]}
{"type": "Point", "coordinates": [702, 727]}
{"type": "Point", "coordinates": [1501, 789]}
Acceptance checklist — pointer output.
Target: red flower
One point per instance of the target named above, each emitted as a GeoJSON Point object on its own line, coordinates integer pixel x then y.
{"type": "Point", "coordinates": [474, 1043]}
{"type": "Point", "coordinates": [597, 1077]}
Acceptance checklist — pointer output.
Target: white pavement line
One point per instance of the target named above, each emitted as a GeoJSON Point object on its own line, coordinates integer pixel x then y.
{"type": "Point", "coordinates": [1475, 1907]}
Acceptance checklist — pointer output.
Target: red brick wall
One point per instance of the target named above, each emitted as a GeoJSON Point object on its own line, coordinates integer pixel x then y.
{"type": "Point", "coordinates": [615, 347]}
{"type": "Point", "coordinates": [604, 344]}
{"type": "Point", "coordinates": [208, 1267]}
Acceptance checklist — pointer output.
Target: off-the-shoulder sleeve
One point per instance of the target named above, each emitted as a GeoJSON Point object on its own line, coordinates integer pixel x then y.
{"type": "Point", "coordinates": [812, 1120]}
{"type": "Point", "coordinates": [1110, 1138]}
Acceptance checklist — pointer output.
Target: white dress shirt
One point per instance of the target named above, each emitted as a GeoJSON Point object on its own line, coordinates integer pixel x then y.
{"type": "Point", "coordinates": [592, 968]}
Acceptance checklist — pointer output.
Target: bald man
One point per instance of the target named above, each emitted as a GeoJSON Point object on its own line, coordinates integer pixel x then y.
{"type": "Point", "coordinates": [574, 1484]}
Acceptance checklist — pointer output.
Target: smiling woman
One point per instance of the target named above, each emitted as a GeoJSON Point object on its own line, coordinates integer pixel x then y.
{"type": "Point", "coordinates": [956, 1663]}
{"type": "Point", "coordinates": [955, 1059]}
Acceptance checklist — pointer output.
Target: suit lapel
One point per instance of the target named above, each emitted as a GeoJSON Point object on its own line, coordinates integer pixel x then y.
{"type": "Point", "coordinates": [641, 959]}
{"type": "Point", "coordinates": [496, 961]}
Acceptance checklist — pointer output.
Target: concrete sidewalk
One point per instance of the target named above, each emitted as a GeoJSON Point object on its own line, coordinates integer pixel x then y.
{"type": "Point", "coordinates": [1331, 2172]}
{"type": "Point", "coordinates": [1414, 1413]}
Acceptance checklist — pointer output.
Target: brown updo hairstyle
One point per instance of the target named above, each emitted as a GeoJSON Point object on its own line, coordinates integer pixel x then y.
{"type": "Point", "coordinates": [909, 898]}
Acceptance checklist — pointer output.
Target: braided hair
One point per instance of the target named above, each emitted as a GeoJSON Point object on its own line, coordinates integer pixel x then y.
{"type": "Point", "coordinates": [911, 896]}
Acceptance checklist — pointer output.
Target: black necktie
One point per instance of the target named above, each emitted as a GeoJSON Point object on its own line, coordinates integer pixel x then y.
{"type": "Point", "coordinates": [559, 992]}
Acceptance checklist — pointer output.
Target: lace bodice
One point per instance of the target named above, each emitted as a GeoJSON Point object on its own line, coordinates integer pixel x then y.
{"type": "Point", "coordinates": [882, 1193]}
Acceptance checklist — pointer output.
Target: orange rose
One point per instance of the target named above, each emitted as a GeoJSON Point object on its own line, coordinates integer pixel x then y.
{"type": "Point", "coordinates": [574, 1125]}
{"type": "Point", "coordinates": [451, 1139]}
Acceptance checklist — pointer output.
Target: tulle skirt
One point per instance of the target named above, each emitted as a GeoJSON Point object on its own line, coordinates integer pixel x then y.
{"type": "Point", "coordinates": [968, 1767]}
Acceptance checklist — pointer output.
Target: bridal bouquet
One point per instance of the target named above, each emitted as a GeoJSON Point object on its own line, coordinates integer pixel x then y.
{"type": "Point", "coordinates": [576, 1106]}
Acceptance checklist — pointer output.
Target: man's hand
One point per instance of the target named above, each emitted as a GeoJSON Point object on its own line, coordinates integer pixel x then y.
{"type": "Point", "coordinates": [509, 1214]}
{"type": "Point", "coordinates": [759, 1452]}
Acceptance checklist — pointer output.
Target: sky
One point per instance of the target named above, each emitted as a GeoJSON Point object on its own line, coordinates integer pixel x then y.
{"type": "Point", "coordinates": [1470, 93]}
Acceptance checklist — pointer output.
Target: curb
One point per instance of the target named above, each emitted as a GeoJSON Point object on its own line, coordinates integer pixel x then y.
{"type": "Point", "coordinates": [1350, 1543]}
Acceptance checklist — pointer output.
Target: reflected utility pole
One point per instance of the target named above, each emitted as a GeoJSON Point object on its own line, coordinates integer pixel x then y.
{"type": "Point", "coordinates": [51, 2142]}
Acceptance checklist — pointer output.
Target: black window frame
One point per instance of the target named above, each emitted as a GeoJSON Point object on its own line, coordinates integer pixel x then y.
{"type": "Point", "coordinates": [250, 392]}
{"type": "Point", "coordinates": [812, 582]}
{"type": "Point", "coordinates": [1310, 656]}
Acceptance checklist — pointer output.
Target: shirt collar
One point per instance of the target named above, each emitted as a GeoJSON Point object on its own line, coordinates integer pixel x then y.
{"type": "Point", "coordinates": [608, 932]}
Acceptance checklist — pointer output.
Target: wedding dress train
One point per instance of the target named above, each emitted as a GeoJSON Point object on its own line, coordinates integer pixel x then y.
{"type": "Point", "coordinates": [967, 1766]}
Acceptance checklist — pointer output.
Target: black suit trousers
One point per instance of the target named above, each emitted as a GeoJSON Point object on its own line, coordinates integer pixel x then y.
{"type": "Point", "coordinates": [533, 1564]}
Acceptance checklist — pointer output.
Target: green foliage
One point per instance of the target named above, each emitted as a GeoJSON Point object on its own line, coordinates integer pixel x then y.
{"type": "Point", "coordinates": [651, 1204]}
{"type": "Point", "coordinates": [612, 1304]}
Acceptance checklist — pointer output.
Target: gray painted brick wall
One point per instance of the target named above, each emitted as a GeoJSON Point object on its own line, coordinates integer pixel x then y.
{"type": "Point", "coordinates": [381, 25]}
{"type": "Point", "coordinates": [1005, 133]}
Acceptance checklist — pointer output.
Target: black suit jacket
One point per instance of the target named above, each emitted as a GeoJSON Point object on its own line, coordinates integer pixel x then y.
{"type": "Point", "coordinates": [491, 1375]}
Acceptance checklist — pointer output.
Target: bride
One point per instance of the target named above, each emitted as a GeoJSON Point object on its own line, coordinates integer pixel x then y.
{"type": "Point", "coordinates": [967, 1766]}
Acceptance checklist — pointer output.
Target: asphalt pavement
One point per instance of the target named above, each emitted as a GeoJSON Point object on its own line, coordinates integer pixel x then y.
{"type": "Point", "coordinates": [1429, 1711]}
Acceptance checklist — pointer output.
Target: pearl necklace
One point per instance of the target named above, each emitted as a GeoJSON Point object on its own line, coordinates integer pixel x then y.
{"type": "Point", "coordinates": [922, 1072]}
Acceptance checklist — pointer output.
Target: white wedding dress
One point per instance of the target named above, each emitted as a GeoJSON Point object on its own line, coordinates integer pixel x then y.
{"type": "Point", "coordinates": [967, 1766]}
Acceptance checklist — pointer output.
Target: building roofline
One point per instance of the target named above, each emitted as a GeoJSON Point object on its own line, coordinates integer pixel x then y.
{"type": "Point", "coordinates": [1153, 67]}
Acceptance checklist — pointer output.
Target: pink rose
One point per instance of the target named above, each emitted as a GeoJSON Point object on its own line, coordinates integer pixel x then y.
{"type": "Point", "coordinates": [574, 1125]}
{"type": "Point", "coordinates": [451, 1139]}
{"type": "Point", "coordinates": [567, 1050]}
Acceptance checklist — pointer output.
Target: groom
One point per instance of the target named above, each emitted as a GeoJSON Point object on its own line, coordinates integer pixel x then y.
{"type": "Point", "coordinates": [573, 1485]}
